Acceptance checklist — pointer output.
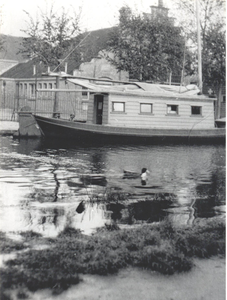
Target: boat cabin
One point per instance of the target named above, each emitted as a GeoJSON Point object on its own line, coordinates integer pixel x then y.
{"type": "Point", "coordinates": [144, 105]}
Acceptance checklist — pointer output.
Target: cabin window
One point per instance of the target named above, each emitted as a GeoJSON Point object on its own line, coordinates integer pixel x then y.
{"type": "Point", "coordinates": [84, 106]}
{"type": "Point", "coordinates": [172, 109]}
{"type": "Point", "coordinates": [118, 106]}
{"type": "Point", "coordinates": [146, 108]}
{"type": "Point", "coordinates": [84, 94]}
{"type": "Point", "coordinates": [196, 110]}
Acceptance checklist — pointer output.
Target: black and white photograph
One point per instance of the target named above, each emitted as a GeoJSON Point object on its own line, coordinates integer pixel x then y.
{"type": "Point", "coordinates": [113, 150]}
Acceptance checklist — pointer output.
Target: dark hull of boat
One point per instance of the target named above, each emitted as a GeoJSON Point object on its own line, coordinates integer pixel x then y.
{"type": "Point", "coordinates": [78, 131]}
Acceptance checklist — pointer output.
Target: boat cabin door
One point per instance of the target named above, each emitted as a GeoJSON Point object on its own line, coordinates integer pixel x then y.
{"type": "Point", "coordinates": [99, 108]}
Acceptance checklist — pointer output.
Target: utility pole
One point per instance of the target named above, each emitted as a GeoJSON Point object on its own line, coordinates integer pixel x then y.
{"type": "Point", "coordinates": [199, 47]}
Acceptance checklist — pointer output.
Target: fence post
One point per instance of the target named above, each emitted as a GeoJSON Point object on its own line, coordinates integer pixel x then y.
{"type": "Point", "coordinates": [56, 99]}
{"type": "Point", "coordinates": [16, 101]}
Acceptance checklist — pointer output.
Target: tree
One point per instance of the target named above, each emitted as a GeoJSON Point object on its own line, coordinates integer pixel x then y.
{"type": "Point", "coordinates": [147, 49]}
{"type": "Point", "coordinates": [213, 38]}
{"type": "Point", "coordinates": [211, 12]}
{"type": "Point", "coordinates": [51, 37]}
{"type": "Point", "coordinates": [212, 27]}
{"type": "Point", "coordinates": [214, 57]}
{"type": "Point", "coordinates": [214, 62]}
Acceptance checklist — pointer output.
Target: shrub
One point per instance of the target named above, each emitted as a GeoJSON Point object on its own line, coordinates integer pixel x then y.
{"type": "Point", "coordinates": [159, 247]}
{"type": "Point", "coordinates": [7, 245]}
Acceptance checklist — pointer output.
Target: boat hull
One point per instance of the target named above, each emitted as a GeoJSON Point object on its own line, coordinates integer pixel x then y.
{"type": "Point", "coordinates": [64, 129]}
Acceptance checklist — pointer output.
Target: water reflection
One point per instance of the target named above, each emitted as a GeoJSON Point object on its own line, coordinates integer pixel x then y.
{"type": "Point", "coordinates": [42, 184]}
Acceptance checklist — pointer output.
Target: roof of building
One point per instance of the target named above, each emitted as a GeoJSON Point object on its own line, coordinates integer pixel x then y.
{"type": "Point", "coordinates": [93, 43]}
{"type": "Point", "coordinates": [10, 48]}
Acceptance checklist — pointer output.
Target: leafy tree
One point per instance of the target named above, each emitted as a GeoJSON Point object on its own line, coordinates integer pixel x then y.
{"type": "Point", "coordinates": [147, 49]}
{"type": "Point", "coordinates": [212, 27]}
{"type": "Point", "coordinates": [211, 12]}
{"type": "Point", "coordinates": [214, 57]}
{"type": "Point", "coordinates": [213, 38]}
{"type": "Point", "coordinates": [51, 36]}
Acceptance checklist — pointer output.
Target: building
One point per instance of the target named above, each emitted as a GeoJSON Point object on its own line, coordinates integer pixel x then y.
{"type": "Point", "coordinates": [159, 13]}
{"type": "Point", "coordinates": [99, 67]}
{"type": "Point", "coordinates": [18, 84]}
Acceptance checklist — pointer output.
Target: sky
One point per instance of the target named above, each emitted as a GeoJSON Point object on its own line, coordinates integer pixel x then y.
{"type": "Point", "coordinates": [96, 14]}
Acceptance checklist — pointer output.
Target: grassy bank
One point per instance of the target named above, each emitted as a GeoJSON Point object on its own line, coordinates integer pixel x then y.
{"type": "Point", "coordinates": [159, 247]}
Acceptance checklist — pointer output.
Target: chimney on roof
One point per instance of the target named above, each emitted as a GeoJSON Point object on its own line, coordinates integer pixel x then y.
{"type": "Point", "coordinates": [160, 3]}
{"type": "Point", "coordinates": [48, 69]}
{"type": "Point", "coordinates": [34, 69]}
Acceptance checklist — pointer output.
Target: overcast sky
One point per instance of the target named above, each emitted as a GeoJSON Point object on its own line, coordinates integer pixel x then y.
{"type": "Point", "coordinates": [96, 14]}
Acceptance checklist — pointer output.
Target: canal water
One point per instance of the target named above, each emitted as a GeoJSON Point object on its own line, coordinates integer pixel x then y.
{"type": "Point", "coordinates": [42, 184]}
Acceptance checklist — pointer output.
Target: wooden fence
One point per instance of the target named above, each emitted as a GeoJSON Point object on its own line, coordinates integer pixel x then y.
{"type": "Point", "coordinates": [69, 103]}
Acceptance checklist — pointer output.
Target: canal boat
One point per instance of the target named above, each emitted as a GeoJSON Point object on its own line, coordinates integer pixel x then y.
{"type": "Point", "coordinates": [135, 111]}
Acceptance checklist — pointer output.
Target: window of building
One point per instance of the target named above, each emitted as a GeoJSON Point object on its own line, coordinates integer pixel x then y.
{"type": "Point", "coordinates": [32, 90]}
{"type": "Point", "coordinates": [84, 94]}
{"type": "Point", "coordinates": [172, 109]}
{"type": "Point", "coordinates": [84, 106]}
{"type": "Point", "coordinates": [118, 106]}
{"type": "Point", "coordinates": [25, 89]}
{"type": "Point", "coordinates": [224, 99]}
{"type": "Point", "coordinates": [45, 87]}
{"type": "Point", "coordinates": [196, 110]}
{"type": "Point", "coordinates": [50, 86]}
{"type": "Point", "coordinates": [146, 108]}
{"type": "Point", "coordinates": [21, 88]}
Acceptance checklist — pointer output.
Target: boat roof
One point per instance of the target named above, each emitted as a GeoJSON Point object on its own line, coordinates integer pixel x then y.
{"type": "Point", "coordinates": [101, 85]}
{"type": "Point", "coordinates": [141, 88]}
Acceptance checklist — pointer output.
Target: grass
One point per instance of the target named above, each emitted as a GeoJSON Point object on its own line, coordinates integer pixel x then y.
{"type": "Point", "coordinates": [7, 245]}
{"type": "Point", "coordinates": [158, 247]}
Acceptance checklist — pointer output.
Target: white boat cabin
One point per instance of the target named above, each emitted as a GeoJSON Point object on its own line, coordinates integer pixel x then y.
{"type": "Point", "coordinates": [144, 105]}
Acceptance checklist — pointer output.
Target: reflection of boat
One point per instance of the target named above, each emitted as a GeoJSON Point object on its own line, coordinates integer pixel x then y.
{"type": "Point", "coordinates": [138, 110]}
